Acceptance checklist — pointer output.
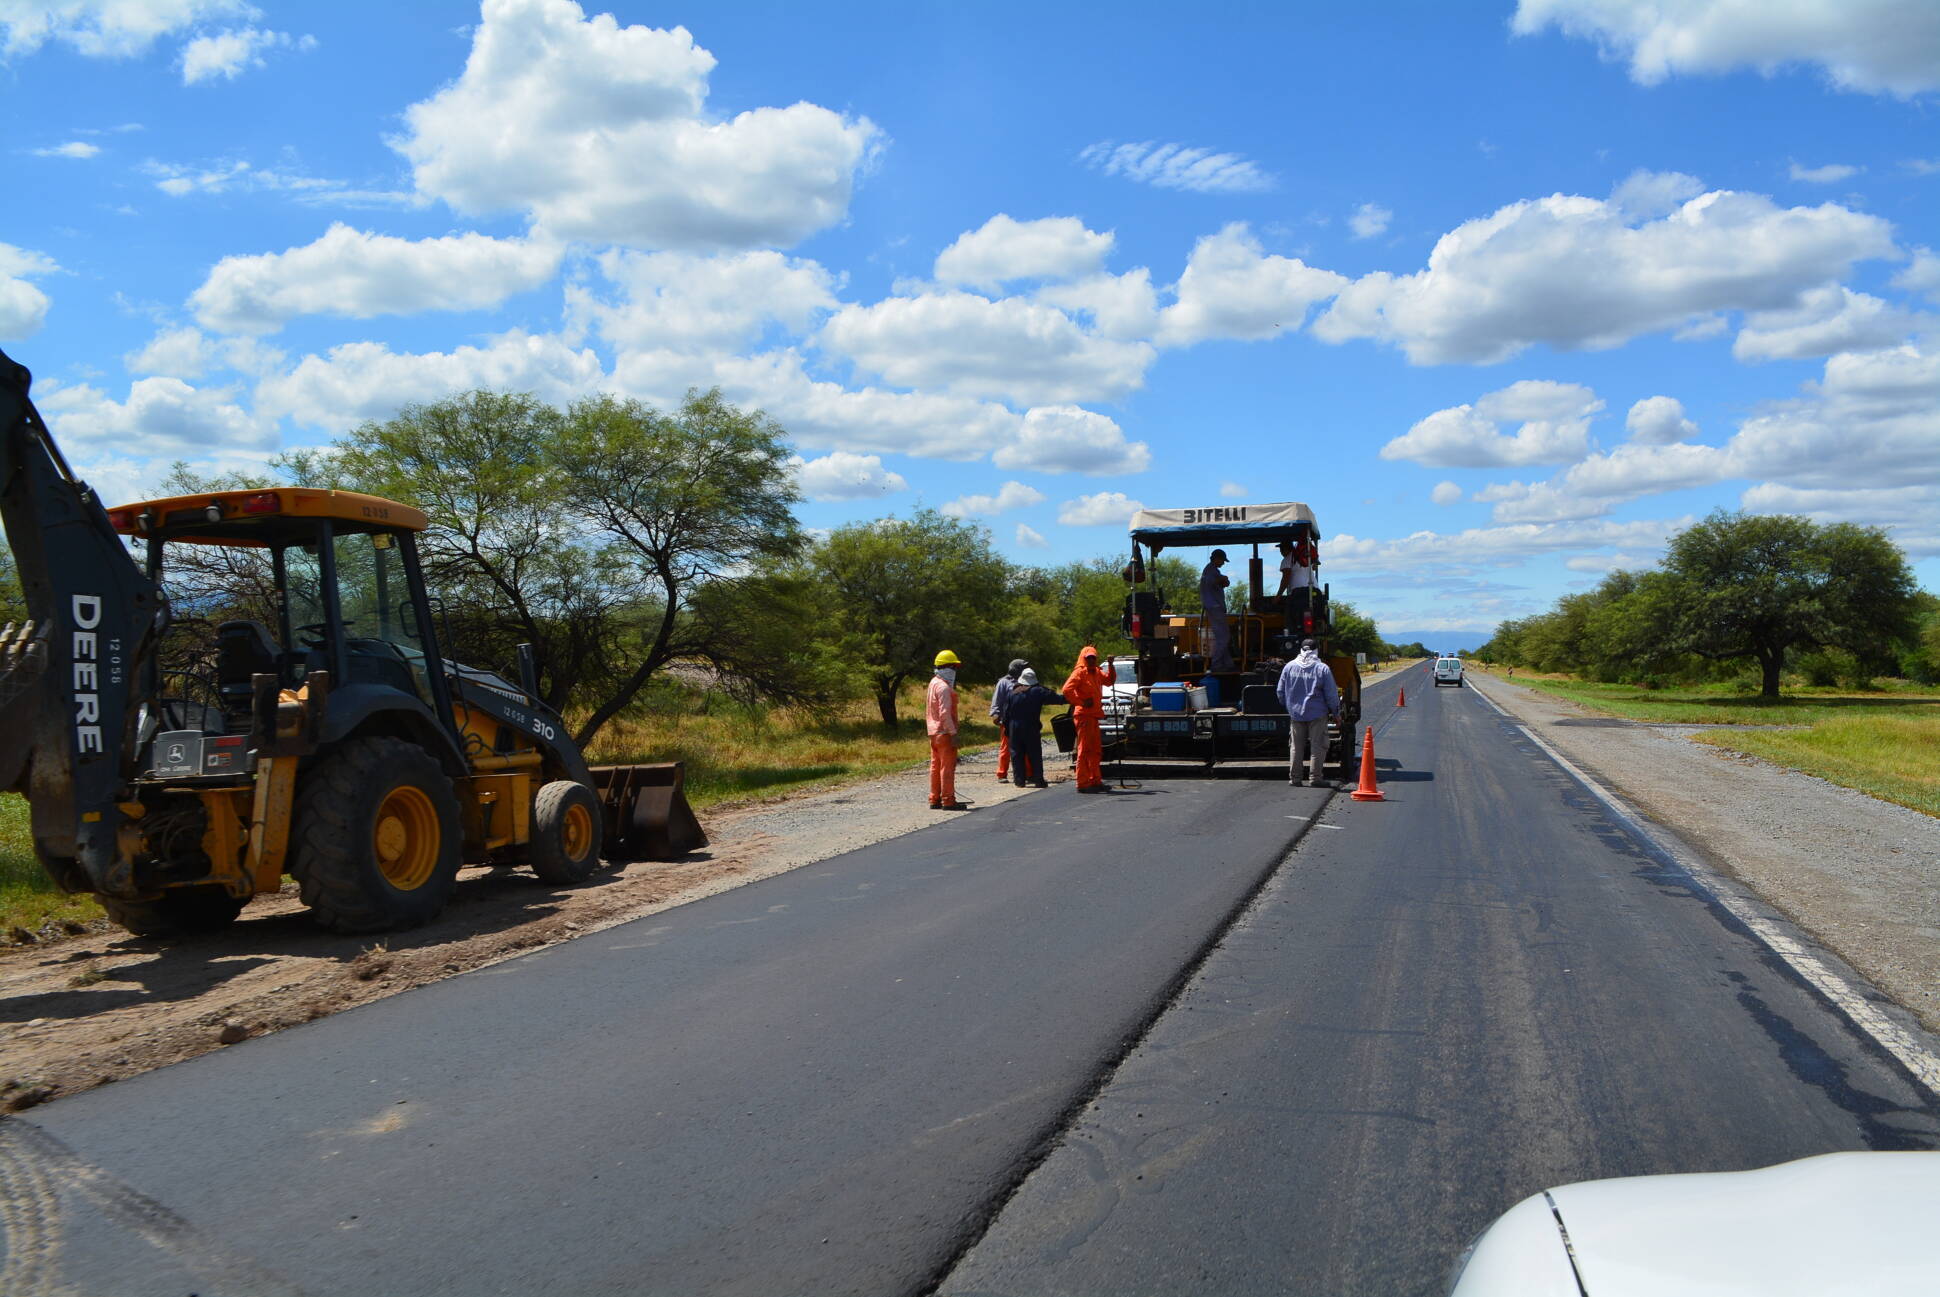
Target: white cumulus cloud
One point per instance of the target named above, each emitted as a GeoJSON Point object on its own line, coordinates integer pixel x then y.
{"type": "Point", "coordinates": [1232, 491]}
{"type": "Point", "coordinates": [1011, 495]}
{"type": "Point", "coordinates": [358, 274]}
{"type": "Point", "coordinates": [1445, 493]}
{"type": "Point", "coordinates": [1176, 166]}
{"type": "Point", "coordinates": [1875, 46]}
{"type": "Point", "coordinates": [1003, 249]}
{"type": "Point", "coordinates": [227, 54]}
{"type": "Point", "coordinates": [161, 417]}
{"type": "Point", "coordinates": [1658, 421]}
{"type": "Point", "coordinates": [1028, 537]}
{"type": "Point", "coordinates": [80, 150]}
{"type": "Point", "coordinates": [1106, 508]}
{"type": "Point", "coordinates": [1011, 349]}
{"type": "Point", "coordinates": [600, 133]}
{"type": "Point", "coordinates": [1922, 275]}
{"type": "Point", "coordinates": [106, 28]}
{"type": "Point", "coordinates": [1578, 272]}
{"type": "Point", "coordinates": [1828, 319]}
{"type": "Point", "coordinates": [688, 301]}
{"type": "Point", "coordinates": [1071, 439]}
{"type": "Point", "coordinates": [1554, 421]}
{"type": "Point", "coordinates": [367, 380]}
{"type": "Point", "coordinates": [23, 307]}
{"type": "Point", "coordinates": [1369, 220]}
{"type": "Point", "coordinates": [177, 353]}
{"type": "Point", "coordinates": [1232, 288]}
{"type": "Point", "coordinates": [842, 475]}
{"type": "Point", "coordinates": [1122, 307]}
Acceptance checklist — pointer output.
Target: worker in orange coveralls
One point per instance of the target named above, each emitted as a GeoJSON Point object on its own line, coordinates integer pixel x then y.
{"type": "Point", "coordinates": [940, 712]}
{"type": "Point", "coordinates": [1084, 689]}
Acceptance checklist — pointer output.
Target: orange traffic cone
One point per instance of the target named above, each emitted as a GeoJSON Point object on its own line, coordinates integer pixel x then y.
{"type": "Point", "coordinates": [1367, 792]}
{"type": "Point", "coordinates": [1404, 698]}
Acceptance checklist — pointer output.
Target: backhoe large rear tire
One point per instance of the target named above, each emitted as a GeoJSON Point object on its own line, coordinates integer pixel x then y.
{"type": "Point", "coordinates": [176, 912]}
{"type": "Point", "coordinates": [375, 840]}
{"type": "Point", "coordinates": [566, 830]}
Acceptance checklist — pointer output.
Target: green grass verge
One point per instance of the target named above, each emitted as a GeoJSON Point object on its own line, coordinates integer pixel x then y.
{"type": "Point", "coordinates": [1895, 758]}
{"type": "Point", "coordinates": [1885, 742]}
{"type": "Point", "coordinates": [28, 897]}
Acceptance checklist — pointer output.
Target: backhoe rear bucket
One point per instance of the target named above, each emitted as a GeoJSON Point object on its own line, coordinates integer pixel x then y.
{"type": "Point", "coordinates": [647, 815]}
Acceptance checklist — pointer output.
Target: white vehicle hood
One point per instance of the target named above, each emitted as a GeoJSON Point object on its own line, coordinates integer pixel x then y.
{"type": "Point", "coordinates": [1843, 1224]}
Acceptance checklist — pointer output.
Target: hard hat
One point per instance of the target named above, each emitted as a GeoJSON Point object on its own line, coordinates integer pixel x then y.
{"type": "Point", "coordinates": [948, 659]}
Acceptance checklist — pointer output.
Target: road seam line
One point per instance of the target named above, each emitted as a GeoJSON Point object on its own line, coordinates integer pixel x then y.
{"type": "Point", "coordinates": [1920, 1062]}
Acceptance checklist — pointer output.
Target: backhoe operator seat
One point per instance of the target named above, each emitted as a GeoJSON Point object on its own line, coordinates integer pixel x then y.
{"type": "Point", "coordinates": [243, 649]}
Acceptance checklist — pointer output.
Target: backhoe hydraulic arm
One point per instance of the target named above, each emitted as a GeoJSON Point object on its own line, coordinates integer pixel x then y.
{"type": "Point", "coordinates": [72, 681]}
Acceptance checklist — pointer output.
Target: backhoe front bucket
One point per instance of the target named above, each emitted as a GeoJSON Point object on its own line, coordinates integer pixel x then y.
{"type": "Point", "coordinates": [647, 815]}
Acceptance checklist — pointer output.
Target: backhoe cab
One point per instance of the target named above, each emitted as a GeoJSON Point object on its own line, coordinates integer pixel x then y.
{"type": "Point", "coordinates": [178, 765]}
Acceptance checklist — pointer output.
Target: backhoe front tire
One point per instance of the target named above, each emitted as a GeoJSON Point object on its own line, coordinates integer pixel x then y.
{"type": "Point", "coordinates": [178, 911]}
{"type": "Point", "coordinates": [567, 826]}
{"type": "Point", "coordinates": [375, 840]}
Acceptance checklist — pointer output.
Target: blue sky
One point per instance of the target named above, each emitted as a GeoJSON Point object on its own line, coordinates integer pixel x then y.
{"type": "Point", "coordinates": [1506, 292]}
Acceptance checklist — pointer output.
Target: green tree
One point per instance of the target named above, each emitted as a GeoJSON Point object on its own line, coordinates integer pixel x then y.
{"type": "Point", "coordinates": [901, 589]}
{"type": "Point", "coordinates": [699, 497]}
{"type": "Point", "coordinates": [504, 553]}
{"type": "Point", "coordinates": [1761, 586]}
{"type": "Point", "coordinates": [1353, 632]}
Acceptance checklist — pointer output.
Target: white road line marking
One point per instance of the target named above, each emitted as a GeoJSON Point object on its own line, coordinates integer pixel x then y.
{"type": "Point", "coordinates": [1886, 1033]}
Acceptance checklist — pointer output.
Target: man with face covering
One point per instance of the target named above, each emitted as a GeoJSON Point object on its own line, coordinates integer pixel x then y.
{"type": "Point", "coordinates": [1026, 699]}
{"type": "Point", "coordinates": [1212, 603]}
{"type": "Point", "coordinates": [940, 713]}
{"type": "Point", "coordinates": [1005, 683]}
{"type": "Point", "coordinates": [1084, 689]}
{"type": "Point", "coordinates": [1307, 688]}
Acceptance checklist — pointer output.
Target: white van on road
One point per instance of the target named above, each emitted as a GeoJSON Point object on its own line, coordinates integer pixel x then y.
{"type": "Point", "coordinates": [1448, 670]}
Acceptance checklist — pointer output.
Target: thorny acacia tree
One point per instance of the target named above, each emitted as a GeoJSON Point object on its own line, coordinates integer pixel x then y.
{"type": "Point", "coordinates": [695, 498]}
{"type": "Point", "coordinates": [503, 552]}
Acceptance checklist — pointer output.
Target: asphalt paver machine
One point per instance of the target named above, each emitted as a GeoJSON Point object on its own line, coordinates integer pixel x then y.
{"type": "Point", "coordinates": [1183, 708]}
{"type": "Point", "coordinates": [330, 741]}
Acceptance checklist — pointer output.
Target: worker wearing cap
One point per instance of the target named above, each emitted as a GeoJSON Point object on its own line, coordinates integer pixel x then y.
{"type": "Point", "coordinates": [1023, 706]}
{"type": "Point", "coordinates": [940, 714]}
{"type": "Point", "coordinates": [1084, 689]}
{"type": "Point", "coordinates": [1212, 603]}
{"type": "Point", "coordinates": [1005, 683]}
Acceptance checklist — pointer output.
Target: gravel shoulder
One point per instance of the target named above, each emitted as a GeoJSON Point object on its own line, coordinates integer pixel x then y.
{"type": "Point", "coordinates": [102, 1005]}
{"type": "Point", "coordinates": [1860, 875]}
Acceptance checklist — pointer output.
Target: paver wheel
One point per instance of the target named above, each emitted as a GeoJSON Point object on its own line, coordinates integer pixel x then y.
{"type": "Point", "coordinates": [375, 840]}
{"type": "Point", "coordinates": [566, 832]}
{"type": "Point", "coordinates": [177, 910]}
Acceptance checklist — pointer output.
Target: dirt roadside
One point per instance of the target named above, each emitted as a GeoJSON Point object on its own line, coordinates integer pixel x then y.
{"type": "Point", "coordinates": [84, 1010]}
{"type": "Point", "coordinates": [1859, 875]}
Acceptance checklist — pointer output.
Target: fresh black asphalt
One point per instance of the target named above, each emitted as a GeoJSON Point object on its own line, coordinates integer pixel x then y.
{"type": "Point", "coordinates": [833, 1080]}
{"type": "Point", "coordinates": [821, 1082]}
{"type": "Point", "coordinates": [1445, 1002]}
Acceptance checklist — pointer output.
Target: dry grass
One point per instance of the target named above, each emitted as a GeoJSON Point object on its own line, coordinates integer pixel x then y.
{"type": "Point", "coordinates": [736, 752]}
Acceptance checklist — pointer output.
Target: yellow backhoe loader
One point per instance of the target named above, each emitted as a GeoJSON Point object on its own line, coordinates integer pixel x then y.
{"type": "Point", "coordinates": [332, 741]}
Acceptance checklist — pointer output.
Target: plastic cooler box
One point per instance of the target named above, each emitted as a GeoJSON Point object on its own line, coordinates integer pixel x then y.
{"type": "Point", "coordinates": [1168, 698]}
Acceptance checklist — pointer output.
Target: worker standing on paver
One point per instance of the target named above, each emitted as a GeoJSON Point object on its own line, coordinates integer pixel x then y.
{"type": "Point", "coordinates": [1084, 689]}
{"type": "Point", "coordinates": [1005, 683]}
{"type": "Point", "coordinates": [1212, 605]}
{"type": "Point", "coordinates": [1310, 695]}
{"type": "Point", "coordinates": [940, 712]}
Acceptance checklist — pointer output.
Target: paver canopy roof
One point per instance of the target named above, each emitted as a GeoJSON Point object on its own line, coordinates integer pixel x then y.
{"type": "Point", "coordinates": [1224, 524]}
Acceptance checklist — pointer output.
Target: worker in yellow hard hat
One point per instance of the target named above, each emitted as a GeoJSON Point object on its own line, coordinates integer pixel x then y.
{"type": "Point", "coordinates": [940, 713]}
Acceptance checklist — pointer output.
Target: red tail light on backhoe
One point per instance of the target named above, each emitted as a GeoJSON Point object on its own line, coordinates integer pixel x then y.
{"type": "Point", "coordinates": [261, 502]}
